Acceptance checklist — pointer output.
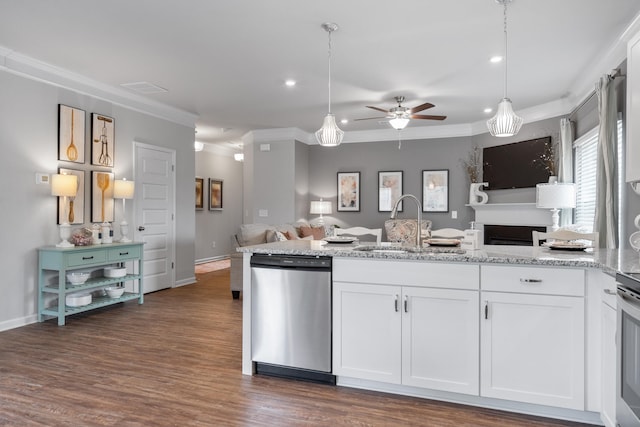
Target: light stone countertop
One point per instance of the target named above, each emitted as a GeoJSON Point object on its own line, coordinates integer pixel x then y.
{"type": "Point", "coordinates": [609, 260]}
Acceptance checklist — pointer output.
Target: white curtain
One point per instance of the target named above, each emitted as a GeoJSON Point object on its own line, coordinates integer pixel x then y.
{"type": "Point", "coordinates": [606, 215]}
{"type": "Point", "coordinates": [565, 163]}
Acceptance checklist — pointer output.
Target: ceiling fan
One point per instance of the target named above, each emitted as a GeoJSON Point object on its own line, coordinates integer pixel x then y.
{"type": "Point", "coordinates": [399, 116]}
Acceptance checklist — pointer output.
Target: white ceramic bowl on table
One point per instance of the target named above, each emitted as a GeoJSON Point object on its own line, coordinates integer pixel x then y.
{"type": "Point", "coordinates": [113, 272]}
{"type": "Point", "coordinates": [114, 291]}
{"type": "Point", "coordinates": [77, 278]}
{"type": "Point", "coordinates": [78, 299]}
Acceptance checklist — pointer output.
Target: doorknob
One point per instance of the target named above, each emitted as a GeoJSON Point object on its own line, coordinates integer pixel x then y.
{"type": "Point", "coordinates": [141, 228]}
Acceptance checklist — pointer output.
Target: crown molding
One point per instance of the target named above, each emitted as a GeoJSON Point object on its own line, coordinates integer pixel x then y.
{"type": "Point", "coordinates": [277, 134]}
{"type": "Point", "coordinates": [34, 69]}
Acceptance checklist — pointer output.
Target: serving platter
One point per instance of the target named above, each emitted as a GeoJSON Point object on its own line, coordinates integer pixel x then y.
{"type": "Point", "coordinates": [443, 242]}
{"type": "Point", "coordinates": [567, 246]}
{"type": "Point", "coordinates": [340, 239]}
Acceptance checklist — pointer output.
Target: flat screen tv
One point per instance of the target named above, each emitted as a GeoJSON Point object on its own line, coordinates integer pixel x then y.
{"type": "Point", "coordinates": [515, 165]}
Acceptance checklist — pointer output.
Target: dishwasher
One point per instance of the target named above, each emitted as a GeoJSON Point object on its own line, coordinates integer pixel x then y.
{"type": "Point", "coordinates": [291, 316]}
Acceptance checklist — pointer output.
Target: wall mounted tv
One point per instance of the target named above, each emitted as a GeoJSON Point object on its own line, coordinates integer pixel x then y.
{"type": "Point", "coordinates": [515, 165]}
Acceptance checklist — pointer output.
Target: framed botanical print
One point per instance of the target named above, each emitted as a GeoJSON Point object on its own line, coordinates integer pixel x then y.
{"type": "Point", "coordinates": [75, 207]}
{"type": "Point", "coordinates": [349, 191]}
{"type": "Point", "coordinates": [215, 194]}
{"type": "Point", "coordinates": [435, 190]}
{"type": "Point", "coordinates": [102, 196]}
{"type": "Point", "coordinates": [199, 193]}
{"type": "Point", "coordinates": [102, 140]}
{"type": "Point", "coordinates": [389, 190]}
{"type": "Point", "coordinates": [71, 134]}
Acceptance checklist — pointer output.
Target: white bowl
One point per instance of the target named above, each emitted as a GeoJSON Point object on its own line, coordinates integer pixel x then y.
{"type": "Point", "coordinates": [77, 278]}
{"type": "Point", "coordinates": [634, 240]}
{"type": "Point", "coordinates": [78, 299]}
{"type": "Point", "coordinates": [112, 272]}
{"type": "Point", "coordinates": [114, 291]}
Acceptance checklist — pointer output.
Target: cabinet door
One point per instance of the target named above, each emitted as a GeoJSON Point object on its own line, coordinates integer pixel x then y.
{"type": "Point", "coordinates": [440, 348]}
{"type": "Point", "coordinates": [532, 349]}
{"type": "Point", "coordinates": [366, 331]}
{"type": "Point", "coordinates": [609, 360]}
{"type": "Point", "coordinates": [633, 109]}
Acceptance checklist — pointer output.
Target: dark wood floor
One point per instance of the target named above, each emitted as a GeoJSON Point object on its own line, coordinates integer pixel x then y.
{"type": "Point", "coordinates": [176, 361]}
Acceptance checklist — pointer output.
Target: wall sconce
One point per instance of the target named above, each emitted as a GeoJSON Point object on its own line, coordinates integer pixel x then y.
{"type": "Point", "coordinates": [198, 146]}
{"type": "Point", "coordinates": [239, 157]}
{"type": "Point", "coordinates": [320, 207]}
{"type": "Point", "coordinates": [555, 196]}
{"type": "Point", "coordinates": [64, 186]}
{"type": "Point", "coordinates": [123, 189]}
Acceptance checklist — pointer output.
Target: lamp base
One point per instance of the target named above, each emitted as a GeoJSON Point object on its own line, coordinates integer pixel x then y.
{"type": "Point", "coordinates": [124, 230]}
{"type": "Point", "coordinates": [555, 219]}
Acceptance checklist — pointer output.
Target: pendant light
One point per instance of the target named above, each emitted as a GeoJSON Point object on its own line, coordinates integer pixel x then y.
{"type": "Point", "coordinates": [329, 135]}
{"type": "Point", "coordinates": [505, 122]}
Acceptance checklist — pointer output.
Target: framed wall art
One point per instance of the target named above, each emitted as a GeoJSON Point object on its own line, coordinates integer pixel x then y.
{"type": "Point", "coordinates": [75, 207]}
{"type": "Point", "coordinates": [102, 140]}
{"type": "Point", "coordinates": [435, 190]}
{"type": "Point", "coordinates": [215, 194]}
{"type": "Point", "coordinates": [389, 190]}
{"type": "Point", "coordinates": [199, 193]}
{"type": "Point", "coordinates": [102, 196]}
{"type": "Point", "coordinates": [349, 191]}
{"type": "Point", "coordinates": [71, 134]}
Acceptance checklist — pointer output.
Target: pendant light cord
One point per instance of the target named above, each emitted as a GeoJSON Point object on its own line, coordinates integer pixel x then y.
{"type": "Point", "coordinates": [505, 48]}
{"type": "Point", "coordinates": [329, 55]}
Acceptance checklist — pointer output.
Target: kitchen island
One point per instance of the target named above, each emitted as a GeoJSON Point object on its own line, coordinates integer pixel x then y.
{"type": "Point", "coordinates": [512, 328]}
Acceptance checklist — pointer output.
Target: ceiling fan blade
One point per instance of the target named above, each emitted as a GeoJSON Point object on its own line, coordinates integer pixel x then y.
{"type": "Point", "coordinates": [378, 109]}
{"type": "Point", "coordinates": [419, 108]}
{"type": "Point", "coordinates": [423, 116]}
{"type": "Point", "coordinates": [370, 118]}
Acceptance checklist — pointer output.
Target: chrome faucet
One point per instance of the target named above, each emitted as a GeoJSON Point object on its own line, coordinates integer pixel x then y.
{"type": "Point", "coordinates": [394, 213]}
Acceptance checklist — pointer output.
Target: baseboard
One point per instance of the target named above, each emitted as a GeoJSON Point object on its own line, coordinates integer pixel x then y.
{"type": "Point", "coordinates": [215, 258]}
{"type": "Point", "coordinates": [184, 282]}
{"type": "Point", "coordinates": [16, 323]}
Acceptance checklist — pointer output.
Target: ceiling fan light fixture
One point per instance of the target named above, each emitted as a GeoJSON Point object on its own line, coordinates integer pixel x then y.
{"type": "Point", "coordinates": [505, 122]}
{"type": "Point", "coordinates": [329, 135]}
{"type": "Point", "coordinates": [399, 123]}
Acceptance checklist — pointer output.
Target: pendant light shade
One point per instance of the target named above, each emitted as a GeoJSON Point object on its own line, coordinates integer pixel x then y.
{"type": "Point", "coordinates": [505, 122]}
{"type": "Point", "coordinates": [329, 135]}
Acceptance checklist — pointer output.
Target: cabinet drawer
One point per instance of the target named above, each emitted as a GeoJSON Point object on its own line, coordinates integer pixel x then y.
{"type": "Point", "coordinates": [86, 258]}
{"type": "Point", "coordinates": [121, 254]}
{"type": "Point", "coordinates": [532, 280]}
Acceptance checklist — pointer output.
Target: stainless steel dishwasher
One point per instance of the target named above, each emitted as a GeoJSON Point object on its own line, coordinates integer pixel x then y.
{"type": "Point", "coordinates": [291, 316]}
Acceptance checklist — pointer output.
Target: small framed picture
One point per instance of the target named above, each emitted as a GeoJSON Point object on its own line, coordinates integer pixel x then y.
{"type": "Point", "coordinates": [389, 190]}
{"type": "Point", "coordinates": [215, 194]}
{"type": "Point", "coordinates": [75, 207]}
{"type": "Point", "coordinates": [71, 134]}
{"type": "Point", "coordinates": [102, 140]}
{"type": "Point", "coordinates": [102, 204]}
{"type": "Point", "coordinates": [435, 190]}
{"type": "Point", "coordinates": [199, 193]}
{"type": "Point", "coordinates": [349, 191]}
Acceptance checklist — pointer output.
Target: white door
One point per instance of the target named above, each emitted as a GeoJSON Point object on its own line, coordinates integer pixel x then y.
{"type": "Point", "coordinates": [440, 340]}
{"type": "Point", "coordinates": [532, 349]}
{"type": "Point", "coordinates": [366, 334]}
{"type": "Point", "coordinates": [154, 213]}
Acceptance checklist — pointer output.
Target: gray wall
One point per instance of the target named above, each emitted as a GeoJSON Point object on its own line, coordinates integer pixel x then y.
{"type": "Point", "coordinates": [218, 226]}
{"type": "Point", "coordinates": [29, 138]}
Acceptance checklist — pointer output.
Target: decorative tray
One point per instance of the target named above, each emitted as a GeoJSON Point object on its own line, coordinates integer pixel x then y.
{"type": "Point", "coordinates": [340, 239]}
{"type": "Point", "coordinates": [443, 242]}
{"type": "Point", "coordinates": [567, 246]}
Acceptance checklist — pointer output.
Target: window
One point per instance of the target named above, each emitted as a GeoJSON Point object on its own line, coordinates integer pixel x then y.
{"type": "Point", "coordinates": [585, 154]}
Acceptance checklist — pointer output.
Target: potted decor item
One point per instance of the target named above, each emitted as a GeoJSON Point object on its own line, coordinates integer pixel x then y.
{"type": "Point", "coordinates": [473, 166]}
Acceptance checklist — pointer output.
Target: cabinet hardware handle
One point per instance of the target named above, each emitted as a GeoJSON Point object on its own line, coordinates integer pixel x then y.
{"type": "Point", "coordinates": [141, 228]}
{"type": "Point", "coordinates": [396, 303]}
{"type": "Point", "coordinates": [124, 253]}
{"type": "Point", "coordinates": [406, 304]}
{"type": "Point", "coordinates": [610, 292]}
{"type": "Point", "coordinates": [531, 280]}
{"type": "Point", "coordinates": [486, 309]}
{"type": "Point", "coordinates": [87, 257]}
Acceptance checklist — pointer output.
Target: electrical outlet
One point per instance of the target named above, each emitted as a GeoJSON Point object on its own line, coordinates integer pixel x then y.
{"type": "Point", "coordinates": [213, 244]}
{"type": "Point", "coordinates": [454, 214]}
{"type": "Point", "coordinates": [263, 213]}
{"type": "Point", "coordinates": [42, 178]}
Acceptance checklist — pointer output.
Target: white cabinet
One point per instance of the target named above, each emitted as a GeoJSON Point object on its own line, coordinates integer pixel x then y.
{"type": "Point", "coordinates": [633, 110]}
{"type": "Point", "coordinates": [609, 354]}
{"type": "Point", "coordinates": [412, 335]}
{"type": "Point", "coordinates": [533, 344]}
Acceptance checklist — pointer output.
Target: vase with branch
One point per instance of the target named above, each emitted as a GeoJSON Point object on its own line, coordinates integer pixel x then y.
{"type": "Point", "coordinates": [473, 166]}
{"type": "Point", "coordinates": [548, 159]}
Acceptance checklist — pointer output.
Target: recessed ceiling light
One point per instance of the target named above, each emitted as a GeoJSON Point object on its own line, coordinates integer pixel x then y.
{"type": "Point", "coordinates": [344, 121]}
{"type": "Point", "coordinates": [290, 83]}
{"type": "Point", "coordinates": [488, 110]}
{"type": "Point", "coordinates": [495, 59]}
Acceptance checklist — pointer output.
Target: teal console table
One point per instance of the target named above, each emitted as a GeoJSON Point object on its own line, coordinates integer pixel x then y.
{"type": "Point", "coordinates": [85, 258]}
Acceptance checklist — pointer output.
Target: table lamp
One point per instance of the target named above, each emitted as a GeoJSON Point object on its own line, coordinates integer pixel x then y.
{"type": "Point", "coordinates": [555, 196]}
{"type": "Point", "coordinates": [320, 207]}
{"type": "Point", "coordinates": [64, 186]}
{"type": "Point", "coordinates": [123, 189]}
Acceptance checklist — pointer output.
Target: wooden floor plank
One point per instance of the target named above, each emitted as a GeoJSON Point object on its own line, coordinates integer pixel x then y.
{"type": "Point", "coordinates": [176, 361]}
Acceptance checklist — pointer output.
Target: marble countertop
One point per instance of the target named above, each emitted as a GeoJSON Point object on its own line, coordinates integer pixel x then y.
{"type": "Point", "coordinates": [609, 260]}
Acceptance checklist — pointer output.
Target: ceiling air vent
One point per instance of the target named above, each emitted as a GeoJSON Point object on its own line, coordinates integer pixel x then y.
{"type": "Point", "coordinates": [144, 87]}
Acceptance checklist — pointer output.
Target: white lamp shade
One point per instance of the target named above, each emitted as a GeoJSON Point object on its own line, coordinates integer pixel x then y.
{"type": "Point", "coordinates": [399, 123]}
{"type": "Point", "coordinates": [329, 135]}
{"type": "Point", "coordinates": [64, 185]}
{"type": "Point", "coordinates": [556, 196]}
{"type": "Point", "coordinates": [123, 189]}
{"type": "Point", "coordinates": [320, 207]}
{"type": "Point", "coordinates": [505, 122]}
